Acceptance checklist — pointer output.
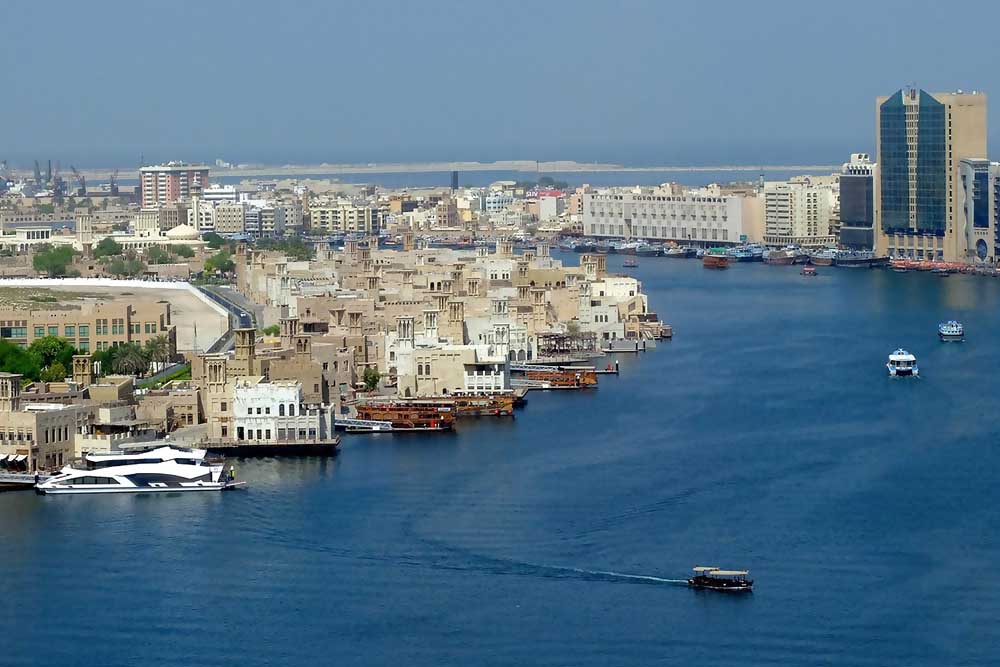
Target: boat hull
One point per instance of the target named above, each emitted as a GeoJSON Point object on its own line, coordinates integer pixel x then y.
{"type": "Point", "coordinates": [715, 262]}
{"type": "Point", "coordinates": [900, 372]}
{"type": "Point", "coordinates": [821, 261]}
{"type": "Point", "coordinates": [781, 260]}
{"type": "Point", "coordinates": [741, 587]}
{"type": "Point", "coordinates": [53, 491]}
{"type": "Point", "coordinates": [952, 338]}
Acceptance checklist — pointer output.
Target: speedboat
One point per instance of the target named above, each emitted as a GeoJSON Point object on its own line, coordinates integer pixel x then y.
{"type": "Point", "coordinates": [902, 363]}
{"type": "Point", "coordinates": [726, 581]}
{"type": "Point", "coordinates": [163, 469]}
{"type": "Point", "coordinates": [951, 330]}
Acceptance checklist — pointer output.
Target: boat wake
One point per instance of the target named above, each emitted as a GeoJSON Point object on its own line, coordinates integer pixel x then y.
{"type": "Point", "coordinates": [615, 576]}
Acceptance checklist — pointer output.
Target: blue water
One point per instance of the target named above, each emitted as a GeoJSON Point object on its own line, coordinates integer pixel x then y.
{"type": "Point", "coordinates": [766, 435]}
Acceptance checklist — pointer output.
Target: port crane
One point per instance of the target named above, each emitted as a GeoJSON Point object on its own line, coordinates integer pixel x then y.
{"type": "Point", "coordinates": [81, 190]}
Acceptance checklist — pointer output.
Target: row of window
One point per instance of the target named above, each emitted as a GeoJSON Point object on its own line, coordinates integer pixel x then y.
{"type": "Point", "coordinates": [267, 410]}
{"type": "Point", "coordinates": [696, 232]}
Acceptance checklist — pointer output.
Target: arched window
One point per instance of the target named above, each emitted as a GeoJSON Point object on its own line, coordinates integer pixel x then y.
{"type": "Point", "coordinates": [291, 409]}
{"type": "Point", "coordinates": [281, 409]}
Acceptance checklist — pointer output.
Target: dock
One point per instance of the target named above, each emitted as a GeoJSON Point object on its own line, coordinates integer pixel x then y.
{"type": "Point", "coordinates": [20, 481]}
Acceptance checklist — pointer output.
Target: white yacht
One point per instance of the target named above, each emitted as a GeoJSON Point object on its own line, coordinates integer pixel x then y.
{"type": "Point", "coordinates": [164, 469]}
{"type": "Point", "coordinates": [901, 363]}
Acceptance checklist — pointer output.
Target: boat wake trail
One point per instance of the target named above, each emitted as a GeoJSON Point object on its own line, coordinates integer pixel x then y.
{"type": "Point", "coordinates": [618, 576]}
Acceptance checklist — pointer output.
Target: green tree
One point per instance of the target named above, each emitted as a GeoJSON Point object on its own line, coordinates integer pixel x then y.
{"type": "Point", "coordinates": [130, 359]}
{"type": "Point", "coordinates": [52, 261]}
{"type": "Point", "coordinates": [107, 247]}
{"type": "Point", "coordinates": [220, 262]}
{"type": "Point", "coordinates": [15, 359]}
{"type": "Point", "coordinates": [271, 330]}
{"type": "Point", "coordinates": [157, 350]}
{"type": "Point", "coordinates": [214, 240]}
{"type": "Point", "coordinates": [371, 377]}
{"type": "Point", "coordinates": [157, 255]}
{"type": "Point", "coordinates": [54, 373]}
{"type": "Point", "coordinates": [126, 266]}
{"type": "Point", "coordinates": [184, 251]}
{"type": "Point", "coordinates": [52, 350]}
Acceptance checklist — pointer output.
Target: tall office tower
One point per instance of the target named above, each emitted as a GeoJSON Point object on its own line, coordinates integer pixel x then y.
{"type": "Point", "coordinates": [922, 137]}
{"type": "Point", "coordinates": [857, 203]}
{"type": "Point", "coordinates": [167, 183]}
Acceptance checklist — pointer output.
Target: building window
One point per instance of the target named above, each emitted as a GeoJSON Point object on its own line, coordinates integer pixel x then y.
{"type": "Point", "coordinates": [291, 409]}
{"type": "Point", "coordinates": [281, 409]}
{"type": "Point", "coordinates": [267, 410]}
{"type": "Point", "coordinates": [267, 434]}
{"type": "Point", "coordinates": [225, 430]}
{"type": "Point", "coordinates": [70, 331]}
{"type": "Point", "coordinates": [249, 411]}
{"type": "Point", "coordinates": [222, 406]}
{"type": "Point", "coordinates": [39, 332]}
{"type": "Point", "coordinates": [84, 330]}
{"type": "Point", "coordinates": [258, 410]}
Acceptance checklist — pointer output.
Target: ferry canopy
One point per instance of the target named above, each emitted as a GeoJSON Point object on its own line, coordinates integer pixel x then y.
{"type": "Point", "coordinates": [705, 568]}
{"type": "Point", "coordinates": [730, 573]}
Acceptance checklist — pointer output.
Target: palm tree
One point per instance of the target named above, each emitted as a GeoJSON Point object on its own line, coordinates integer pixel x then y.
{"type": "Point", "coordinates": [130, 360]}
{"type": "Point", "coordinates": [158, 351]}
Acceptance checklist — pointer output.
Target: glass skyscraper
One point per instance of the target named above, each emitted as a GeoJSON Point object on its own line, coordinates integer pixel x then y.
{"type": "Point", "coordinates": [922, 137]}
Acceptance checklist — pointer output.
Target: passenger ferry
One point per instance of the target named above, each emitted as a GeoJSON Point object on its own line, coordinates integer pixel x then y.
{"type": "Point", "coordinates": [727, 581]}
{"type": "Point", "coordinates": [808, 270]}
{"type": "Point", "coordinates": [630, 263]}
{"type": "Point", "coordinates": [902, 363]}
{"type": "Point", "coordinates": [951, 330]}
{"type": "Point", "coordinates": [164, 469]}
{"type": "Point", "coordinates": [740, 254]}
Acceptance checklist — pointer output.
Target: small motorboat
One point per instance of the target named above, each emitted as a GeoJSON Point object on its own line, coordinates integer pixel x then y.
{"type": "Point", "coordinates": [630, 263]}
{"type": "Point", "coordinates": [808, 271]}
{"type": "Point", "coordinates": [951, 331]}
{"type": "Point", "coordinates": [726, 581]}
{"type": "Point", "coordinates": [941, 273]}
{"type": "Point", "coordinates": [902, 363]}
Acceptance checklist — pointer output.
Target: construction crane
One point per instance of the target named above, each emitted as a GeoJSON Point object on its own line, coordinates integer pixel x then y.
{"type": "Point", "coordinates": [81, 191]}
{"type": "Point", "coordinates": [113, 182]}
{"type": "Point", "coordinates": [38, 174]}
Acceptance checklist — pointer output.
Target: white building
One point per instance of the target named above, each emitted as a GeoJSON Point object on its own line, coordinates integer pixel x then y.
{"type": "Point", "coordinates": [550, 208]}
{"type": "Point", "coordinates": [220, 193]}
{"type": "Point", "coordinates": [662, 215]}
{"type": "Point", "coordinates": [803, 210]}
{"type": "Point", "coordinates": [274, 412]}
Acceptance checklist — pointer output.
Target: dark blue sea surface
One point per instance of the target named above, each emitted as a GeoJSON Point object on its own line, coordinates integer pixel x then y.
{"type": "Point", "coordinates": [766, 436]}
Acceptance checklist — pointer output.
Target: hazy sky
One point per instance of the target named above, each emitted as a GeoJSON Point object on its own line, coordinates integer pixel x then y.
{"type": "Point", "coordinates": [656, 82]}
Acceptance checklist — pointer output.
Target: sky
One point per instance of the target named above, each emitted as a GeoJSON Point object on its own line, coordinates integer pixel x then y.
{"type": "Point", "coordinates": [628, 81]}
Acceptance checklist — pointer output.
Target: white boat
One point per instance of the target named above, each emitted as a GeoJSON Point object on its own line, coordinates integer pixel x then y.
{"type": "Point", "coordinates": [164, 469]}
{"type": "Point", "coordinates": [902, 363]}
{"type": "Point", "coordinates": [951, 330]}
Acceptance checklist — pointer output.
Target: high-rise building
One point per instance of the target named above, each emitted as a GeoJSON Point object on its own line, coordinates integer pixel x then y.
{"type": "Point", "coordinates": [801, 211]}
{"type": "Point", "coordinates": [857, 203]}
{"type": "Point", "coordinates": [167, 183]}
{"type": "Point", "coordinates": [976, 219]}
{"type": "Point", "coordinates": [922, 138]}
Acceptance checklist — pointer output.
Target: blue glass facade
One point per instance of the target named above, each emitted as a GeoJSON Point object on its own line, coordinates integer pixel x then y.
{"type": "Point", "coordinates": [894, 165]}
{"type": "Point", "coordinates": [981, 200]}
{"type": "Point", "coordinates": [932, 167]}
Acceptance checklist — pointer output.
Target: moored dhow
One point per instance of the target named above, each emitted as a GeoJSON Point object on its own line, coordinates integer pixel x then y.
{"type": "Point", "coordinates": [462, 405]}
{"type": "Point", "coordinates": [902, 363]}
{"type": "Point", "coordinates": [163, 469]}
{"type": "Point", "coordinates": [554, 377]}
{"type": "Point", "coordinates": [715, 258]}
{"type": "Point", "coordinates": [951, 331]}
{"type": "Point", "coordinates": [399, 416]}
{"type": "Point", "coordinates": [715, 579]}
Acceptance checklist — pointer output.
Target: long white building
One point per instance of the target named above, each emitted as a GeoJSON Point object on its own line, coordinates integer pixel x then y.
{"type": "Point", "coordinates": [663, 214]}
{"type": "Point", "coordinates": [803, 210]}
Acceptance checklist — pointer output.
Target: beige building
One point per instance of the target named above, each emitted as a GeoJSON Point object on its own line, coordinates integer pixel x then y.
{"type": "Point", "coordinates": [801, 210]}
{"type": "Point", "coordinates": [345, 217]}
{"type": "Point", "coordinates": [44, 433]}
{"type": "Point", "coordinates": [230, 217]}
{"type": "Point", "coordinates": [922, 138]}
{"type": "Point", "coordinates": [91, 327]}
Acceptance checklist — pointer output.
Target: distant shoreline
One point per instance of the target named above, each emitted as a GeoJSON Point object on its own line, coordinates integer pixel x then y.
{"type": "Point", "coordinates": [527, 166]}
